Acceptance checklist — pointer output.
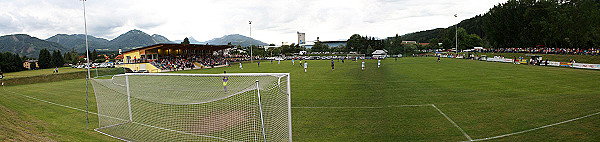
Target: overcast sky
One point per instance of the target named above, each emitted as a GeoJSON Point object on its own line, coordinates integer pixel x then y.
{"type": "Point", "coordinates": [274, 21]}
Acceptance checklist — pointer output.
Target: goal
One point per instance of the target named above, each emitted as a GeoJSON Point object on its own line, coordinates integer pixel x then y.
{"type": "Point", "coordinates": [195, 107]}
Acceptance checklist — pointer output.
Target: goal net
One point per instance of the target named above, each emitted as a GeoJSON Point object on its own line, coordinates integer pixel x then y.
{"type": "Point", "coordinates": [195, 107]}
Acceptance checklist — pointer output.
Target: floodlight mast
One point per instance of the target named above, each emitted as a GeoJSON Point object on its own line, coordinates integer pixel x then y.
{"type": "Point", "coordinates": [87, 79]}
{"type": "Point", "coordinates": [251, 56]}
{"type": "Point", "coordinates": [456, 34]}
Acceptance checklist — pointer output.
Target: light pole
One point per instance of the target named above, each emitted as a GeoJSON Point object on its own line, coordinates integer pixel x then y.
{"type": "Point", "coordinates": [251, 56]}
{"type": "Point", "coordinates": [87, 52]}
{"type": "Point", "coordinates": [456, 33]}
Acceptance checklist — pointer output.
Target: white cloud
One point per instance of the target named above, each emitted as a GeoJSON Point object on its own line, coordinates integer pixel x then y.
{"type": "Point", "coordinates": [273, 21]}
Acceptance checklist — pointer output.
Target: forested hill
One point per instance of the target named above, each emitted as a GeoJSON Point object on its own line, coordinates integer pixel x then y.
{"type": "Point", "coordinates": [77, 41]}
{"type": "Point", "coordinates": [526, 23]}
{"type": "Point", "coordinates": [26, 45]}
{"type": "Point", "coordinates": [423, 36]}
{"type": "Point", "coordinates": [472, 25]}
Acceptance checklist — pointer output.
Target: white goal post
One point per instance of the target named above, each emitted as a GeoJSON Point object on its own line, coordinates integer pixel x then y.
{"type": "Point", "coordinates": [195, 107]}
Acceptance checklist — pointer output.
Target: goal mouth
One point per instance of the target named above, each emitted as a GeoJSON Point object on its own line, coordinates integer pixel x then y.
{"type": "Point", "coordinates": [161, 88]}
{"type": "Point", "coordinates": [195, 107]}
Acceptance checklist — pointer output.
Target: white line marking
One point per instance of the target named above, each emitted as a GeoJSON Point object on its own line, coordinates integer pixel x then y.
{"type": "Point", "coordinates": [461, 130]}
{"type": "Point", "coordinates": [110, 135]}
{"type": "Point", "coordinates": [505, 135]}
{"type": "Point", "coordinates": [367, 107]}
{"type": "Point", "coordinates": [33, 98]}
{"type": "Point", "coordinates": [427, 105]}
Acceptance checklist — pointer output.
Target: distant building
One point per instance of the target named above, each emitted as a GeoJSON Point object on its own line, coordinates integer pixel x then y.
{"type": "Point", "coordinates": [168, 50]}
{"type": "Point", "coordinates": [28, 64]}
{"type": "Point", "coordinates": [301, 38]}
{"type": "Point", "coordinates": [286, 43]}
{"type": "Point", "coordinates": [338, 43]}
{"type": "Point", "coordinates": [267, 47]}
{"type": "Point", "coordinates": [119, 57]}
{"type": "Point", "coordinates": [409, 42]}
{"type": "Point", "coordinates": [331, 44]}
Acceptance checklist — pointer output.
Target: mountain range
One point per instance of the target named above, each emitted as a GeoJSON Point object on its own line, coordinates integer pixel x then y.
{"type": "Point", "coordinates": [26, 45]}
{"type": "Point", "coordinates": [235, 39]}
{"type": "Point", "coordinates": [191, 39]}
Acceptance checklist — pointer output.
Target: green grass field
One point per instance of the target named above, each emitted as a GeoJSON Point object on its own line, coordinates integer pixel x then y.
{"type": "Point", "coordinates": [29, 73]}
{"type": "Point", "coordinates": [484, 99]}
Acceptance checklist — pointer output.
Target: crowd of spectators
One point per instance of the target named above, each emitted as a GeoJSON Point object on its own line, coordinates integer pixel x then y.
{"type": "Point", "coordinates": [182, 63]}
{"type": "Point", "coordinates": [545, 50]}
{"type": "Point", "coordinates": [173, 64]}
{"type": "Point", "coordinates": [210, 60]}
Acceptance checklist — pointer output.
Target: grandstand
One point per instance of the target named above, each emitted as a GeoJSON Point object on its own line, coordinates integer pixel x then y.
{"type": "Point", "coordinates": [171, 57]}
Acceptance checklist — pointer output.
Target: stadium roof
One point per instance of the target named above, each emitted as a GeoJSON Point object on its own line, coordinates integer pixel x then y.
{"type": "Point", "coordinates": [182, 46]}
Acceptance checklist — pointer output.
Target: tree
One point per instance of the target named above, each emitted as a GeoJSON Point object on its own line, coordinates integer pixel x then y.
{"type": "Point", "coordinates": [93, 56]}
{"type": "Point", "coordinates": [44, 59]}
{"type": "Point", "coordinates": [11, 62]}
{"type": "Point", "coordinates": [433, 43]}
{"type": "Point", "coordinates": [447, 43]}
{"type": "Point", "coordinates": [68, 58]}
{"type": "Point", "coordinates": [74, 57]}
{"type": "Point", "coordinates": [355, 43]}
{"type": "Point", "coordinates": [185, 41]}
{"type": "Point", "coordinates": [319, 47]}
{"type": "Point", "coordinates": [394, 45]}
{"type": "Point", "coordinates": [57, 59]}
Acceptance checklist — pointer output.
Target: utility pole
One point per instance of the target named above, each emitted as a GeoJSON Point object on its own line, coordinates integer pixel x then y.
{"type": "Point", "coordinates": [251, 55]}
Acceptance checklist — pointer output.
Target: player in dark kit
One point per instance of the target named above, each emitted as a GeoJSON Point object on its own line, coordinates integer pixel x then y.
{"type": "Point", "coordinates": [332, 65]}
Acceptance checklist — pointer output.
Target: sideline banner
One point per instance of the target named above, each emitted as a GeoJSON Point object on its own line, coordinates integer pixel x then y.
{"type": "Point", "coordinates": [552, 63]}
{"type": "Point", "coordinates": [508, 60]}
{"type": "Point", "coordinates": [505, 60]}
{"type": "Point", "coordinates": [586, 66]}
{"type": "Point", "coordinates": [565, 64]}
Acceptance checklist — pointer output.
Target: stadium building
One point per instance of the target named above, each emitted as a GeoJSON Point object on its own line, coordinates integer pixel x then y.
{"type": "Point", "coordinates": [141, 58]}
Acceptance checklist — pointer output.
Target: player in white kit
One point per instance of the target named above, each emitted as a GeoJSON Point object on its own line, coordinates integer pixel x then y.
{"type": "Point", "coordinates": [305, 66]}
{"type": "Point", "coordinates": [363, 65]}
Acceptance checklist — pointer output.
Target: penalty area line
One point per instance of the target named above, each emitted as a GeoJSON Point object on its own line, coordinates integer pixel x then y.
{"type": "Point", "coordinates": [455, 125]}
{"type": "Point", "coordinates": [542, 127]}
{"type": "Point", "coordinates": [397, 106]}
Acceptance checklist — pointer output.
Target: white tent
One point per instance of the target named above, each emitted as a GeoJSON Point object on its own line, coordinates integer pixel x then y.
{"type": "Point", "coordinates": [380, 54]}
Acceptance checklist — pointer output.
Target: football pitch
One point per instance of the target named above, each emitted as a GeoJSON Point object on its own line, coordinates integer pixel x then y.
{"type": "Point", "coordinates": [412, 99]}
